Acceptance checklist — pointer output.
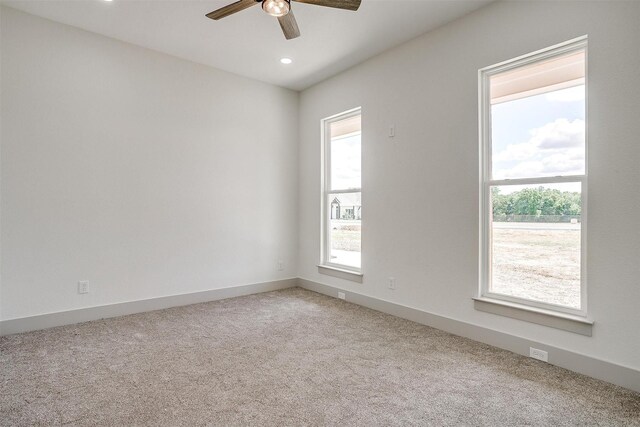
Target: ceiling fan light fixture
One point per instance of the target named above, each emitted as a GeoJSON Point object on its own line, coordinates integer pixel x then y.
{"type": "Point", "coordinates": [276, 8]}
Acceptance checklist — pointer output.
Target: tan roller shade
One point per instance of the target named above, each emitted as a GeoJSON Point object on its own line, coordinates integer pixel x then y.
{"type": "Point", "coordinates": [346, 126]}
{"type": "Point", "coordinates": [561, 72]}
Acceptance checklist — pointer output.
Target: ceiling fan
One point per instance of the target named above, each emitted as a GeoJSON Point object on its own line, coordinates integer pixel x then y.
{"type": "Point", "coordinates": [281, 9]}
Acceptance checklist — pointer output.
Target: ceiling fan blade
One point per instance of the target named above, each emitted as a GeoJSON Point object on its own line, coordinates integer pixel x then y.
{"type": "Point", "coordinates": [231, 9]}
{"type": "Point", "coordinates": [289, 26]}
{"type": "Point", "coordinates": [339, 4]}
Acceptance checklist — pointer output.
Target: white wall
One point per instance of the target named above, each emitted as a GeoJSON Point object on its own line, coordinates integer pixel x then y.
{"type": "Point", "coordinates": [428, 89]}
{"type": "Point", "coordinates": [1, 9]}
{"type": "Point", "coordinates": [139, 172]}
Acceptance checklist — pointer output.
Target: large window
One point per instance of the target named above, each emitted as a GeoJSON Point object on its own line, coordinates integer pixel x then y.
{"type": "Point", "coordinates": [342, 197]}
{"type": "Point", "coordinates": [533, 179]}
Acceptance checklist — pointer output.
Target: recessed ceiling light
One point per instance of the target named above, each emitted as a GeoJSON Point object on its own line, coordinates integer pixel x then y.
{"type": "Point", "coordinates": [286, 61]}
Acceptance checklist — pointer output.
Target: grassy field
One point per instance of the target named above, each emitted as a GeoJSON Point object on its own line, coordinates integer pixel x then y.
{"type": "Point", "coordinates": [346, 240]}
{"type": "Point", "coordinates": [346, 235]}
{"type": "Point", "coordinates": [538, 264]}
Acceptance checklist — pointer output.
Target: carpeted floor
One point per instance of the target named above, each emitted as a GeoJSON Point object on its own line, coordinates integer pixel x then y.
{"type": "Point", "coordinates": [289, 357]}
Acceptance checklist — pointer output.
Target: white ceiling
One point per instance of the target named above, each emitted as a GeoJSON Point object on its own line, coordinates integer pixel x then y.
{"type": "Point", "coordinates": [250, 43]}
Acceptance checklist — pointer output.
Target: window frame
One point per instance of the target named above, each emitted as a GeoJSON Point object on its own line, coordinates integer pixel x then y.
{"type": "Point", "coordinates": [325, 250]}
{"type": "Point", "coordinates": [486, 181]}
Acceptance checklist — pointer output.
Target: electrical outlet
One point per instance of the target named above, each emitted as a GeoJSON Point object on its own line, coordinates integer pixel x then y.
{"type": "Point", "coordinates": [280, 265]}
{"type": "Point", "coordinates": [538, 354]}
{"type": "Point", "coordinates": [83, 287]}
{"type": "Point", "coordinates": [341, 295]}
{"type": "Point", "coordinates": [392, 283]}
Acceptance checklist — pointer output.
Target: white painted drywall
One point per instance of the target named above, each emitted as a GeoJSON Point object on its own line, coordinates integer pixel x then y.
{"type": "Point", "coordinates": [0, 161]}
{"type": "Point", "coordinates": [142, 173]}
{"type": "Point", "coordinates": [428, 89]}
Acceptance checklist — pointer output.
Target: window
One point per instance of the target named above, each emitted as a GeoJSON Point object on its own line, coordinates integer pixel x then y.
{"type": "Point", "coordinates": [342, 197]}
{"type": "Point", "coordinates": [534, 178]}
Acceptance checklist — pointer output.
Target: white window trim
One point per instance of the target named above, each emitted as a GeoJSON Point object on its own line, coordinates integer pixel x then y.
{"type": "Point", "coordinates": [486, 183]}
{"type": "Point", "coordinates": [325, 250]}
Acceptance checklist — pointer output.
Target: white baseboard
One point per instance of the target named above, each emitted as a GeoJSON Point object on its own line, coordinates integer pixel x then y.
{"type": "Point", "coordinates": [50, 320]}
{"type": "Point", "coordinates": [596, 368]}
{"type": "Point", "coordinates": [580, 363]}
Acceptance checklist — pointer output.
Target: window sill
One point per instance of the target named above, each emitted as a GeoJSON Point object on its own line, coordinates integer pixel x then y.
{"type": "Point", "coordinates": [340, 273]}
{"type": "Point", "coordinates": [566, 322]}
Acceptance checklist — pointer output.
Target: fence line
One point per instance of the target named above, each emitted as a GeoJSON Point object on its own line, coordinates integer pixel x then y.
{"type": "Point", "coordinates": [536, 218]}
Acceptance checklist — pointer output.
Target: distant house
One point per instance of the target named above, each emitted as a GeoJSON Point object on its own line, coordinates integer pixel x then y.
{"type": "Point", "coordinates": [347, 207]}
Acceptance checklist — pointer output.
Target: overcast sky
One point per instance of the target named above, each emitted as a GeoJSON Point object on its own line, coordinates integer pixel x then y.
{"type": "Point", "coordinates": [346, 162]}
{"type": "Point", "coordinates": [542, 135]}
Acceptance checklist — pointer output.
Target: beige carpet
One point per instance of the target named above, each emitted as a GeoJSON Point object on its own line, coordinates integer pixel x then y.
{"type": "Point", "coordinates": [289, 357]}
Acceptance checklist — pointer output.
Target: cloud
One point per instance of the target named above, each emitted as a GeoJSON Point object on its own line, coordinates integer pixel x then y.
{"type": "Point", "coordinates": [559, 134]}
{"type": "Point", "coordinates": [557, 148]}
{"type": "Point", "coordinates": [517, 152]}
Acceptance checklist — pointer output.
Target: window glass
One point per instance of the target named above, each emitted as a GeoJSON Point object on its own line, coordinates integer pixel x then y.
{"type": "Point", "coordinates": [345, 229]}
{"type": "Point", "coordinates": [535, 242]}
{"type": "Point", "coordinates": [539, 136]}
{"type": "Point", "coordinates": [346, 166]}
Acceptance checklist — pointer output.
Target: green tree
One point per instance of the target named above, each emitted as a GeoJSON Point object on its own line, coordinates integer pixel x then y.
{"type": "Point", "coordinates": [536, 202]}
